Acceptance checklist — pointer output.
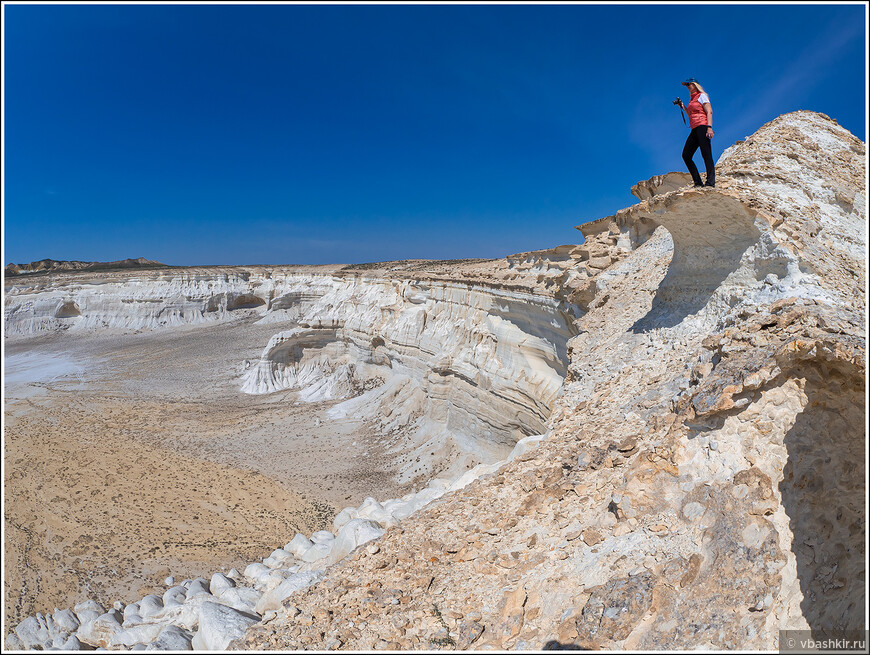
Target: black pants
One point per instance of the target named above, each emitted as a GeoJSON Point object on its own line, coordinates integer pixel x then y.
{"type": "Point", "coordinates": [698, 139]}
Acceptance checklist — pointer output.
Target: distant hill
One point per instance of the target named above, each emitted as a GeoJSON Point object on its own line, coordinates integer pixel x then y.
{"type": "Point", "coordinates": [50, 265]}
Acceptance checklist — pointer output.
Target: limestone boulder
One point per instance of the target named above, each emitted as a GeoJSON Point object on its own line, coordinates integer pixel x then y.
{"type": "Point", "coordinates": [298, 545]}
{"type": "Point", "coordinates": [101, 630]}
{"type": "Point", "coordinates": [219, 625]}
{"type": "Point", "coordinates": [32, 632]}
{"type": "Point", "coordinates": [66, 620]}
{"type": "Point", "coordinates": [219, 582]}
{"type": "Point", "coordinates": [272, 600]}
{"type": "Point", "coordinates": [172, 638]}
{"type": "Point", "coordinates": [354, 534]}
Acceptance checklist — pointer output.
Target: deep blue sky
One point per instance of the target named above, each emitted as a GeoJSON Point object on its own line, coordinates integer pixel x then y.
{"type": "Point", "coordinates": [238, 134]}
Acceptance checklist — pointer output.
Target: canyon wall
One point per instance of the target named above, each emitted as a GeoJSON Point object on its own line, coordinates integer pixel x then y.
{"type": "Point", "coordinates": [701, 481]}
{"type": "Point", "coordinates": [456, 371]}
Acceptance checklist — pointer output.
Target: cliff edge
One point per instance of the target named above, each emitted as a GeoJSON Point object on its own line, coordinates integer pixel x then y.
{"type": "Point", "coordinates": [702, 481]}
{"type": "Point", "coordinates": [658, 434]}
{"type": "Point", "coordinates": [51, 266]}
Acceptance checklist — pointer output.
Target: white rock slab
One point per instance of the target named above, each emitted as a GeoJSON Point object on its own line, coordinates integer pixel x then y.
{"type": "Point", "coordinates": [88, 610]}
{"type": "Point", "coordinates": [219, 582]}
{"type": "Point", "coordinates": [66, 620]}
{"type": "Point", "coordinates": [283, 556]}
{"type": "Point", "coordinates": [150, 606]}
{"type": "Point", "coordinates": [198, 586]}
{"type": "Point", "coordinates": [345, 515]}
{"type": "Point", "coordinates": [100, 631]}
{"type": "Point", "coordinates": [172, 638]}
{"type": "Point", "coordinates": [72, 643]}
{"type": "Point", "coordinates": [219, 625]}
{"type": "Point", "coordinates": [372, 509]}
{"type": "Point", "coordinates": [322, 537]}
{"type": "Point", "coordinates": [255, 570]}
{"type": "Point", "coordinates": [352, 535]}
{"type": "Point", "coordinates": [187, 615]}
{"type": "Point", "coordinates": [13, 642]}
{"type": "Point", "coordinates": [174, 596]}
{"type": "Point", "coordinates": [131, 620]}
{"type": "Point", "coordinates": [297, 546]}
{"type": "Point", "coordinates": [144, 633]}
{"type": "Point", "coordinates": [316, 552]}
{"type": "Point", "coordinates": [272, 600]}
{"type": "Point", "coordinates": [33, 631]}
{"type": "Point", "coordinates": [241, 598]}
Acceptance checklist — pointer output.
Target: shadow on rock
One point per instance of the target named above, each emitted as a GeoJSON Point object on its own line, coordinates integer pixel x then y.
{"type": "Point", "coordinates": [711, 234]}
{"type": "Point", "coordinates": [558, 645]}
{"type": "Point", "coordinates": [823, 494]}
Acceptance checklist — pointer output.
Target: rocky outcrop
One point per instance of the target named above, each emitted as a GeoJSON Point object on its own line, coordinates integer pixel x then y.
{"type": "Point", "coordinates": [464, 370]}
{"type": "Point", "coordinates": [203, 614]}
{"type": "Point", "coordinates": [128, 301]}
{"type": "Point", "coordinates": [456, 371]}
{"type": "Point", "coordinates": [701, 482]}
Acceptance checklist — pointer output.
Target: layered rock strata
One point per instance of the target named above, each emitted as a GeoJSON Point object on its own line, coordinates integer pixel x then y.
{"type": "Point", "coordinates": [457, 368]}
{"type": "Point", "coordinates": [460, 361]}
{"type": "Point", "coordinates": [702, 480]}
{"type": "Point", "coordinates": [702, 483]}
{"type": "Point", "coordinates": [462, 370]}
{"type": "Point", "coordinates": [49, 265]}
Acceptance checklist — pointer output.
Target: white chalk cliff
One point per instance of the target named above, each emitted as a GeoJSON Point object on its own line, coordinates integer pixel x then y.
{"type": "Point", "coordinates": [667, 424]}
{"type": "Point", "coordinates": [464, 369]}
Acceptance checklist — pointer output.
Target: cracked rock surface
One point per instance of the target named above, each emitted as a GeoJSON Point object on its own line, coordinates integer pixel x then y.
{"type": "Point", "coordinates": [696, 370]}
{"type": "Point", "coordinates": [702, 481]}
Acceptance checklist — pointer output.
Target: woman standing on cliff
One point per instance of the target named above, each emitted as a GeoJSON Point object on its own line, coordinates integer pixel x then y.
{"type": "Point", "coordinates": [700, 114]}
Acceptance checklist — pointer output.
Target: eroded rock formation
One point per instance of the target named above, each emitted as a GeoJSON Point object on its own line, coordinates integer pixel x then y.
{"type": "Point", "coordinates": [457, 362]}
{"type": "Point", "coordinates": [701, 480]}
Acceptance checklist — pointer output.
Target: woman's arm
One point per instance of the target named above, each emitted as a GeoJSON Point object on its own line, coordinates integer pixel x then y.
{"type": "Point", "coordinates": [709, 109]}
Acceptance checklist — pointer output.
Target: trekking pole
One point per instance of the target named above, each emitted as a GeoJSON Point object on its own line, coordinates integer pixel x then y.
{"type": "Point", "coordinates": [677, 103]}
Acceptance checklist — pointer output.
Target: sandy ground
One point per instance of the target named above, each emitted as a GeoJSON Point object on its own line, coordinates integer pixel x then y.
{"type": "Point", "coordinates": [130, 457]}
